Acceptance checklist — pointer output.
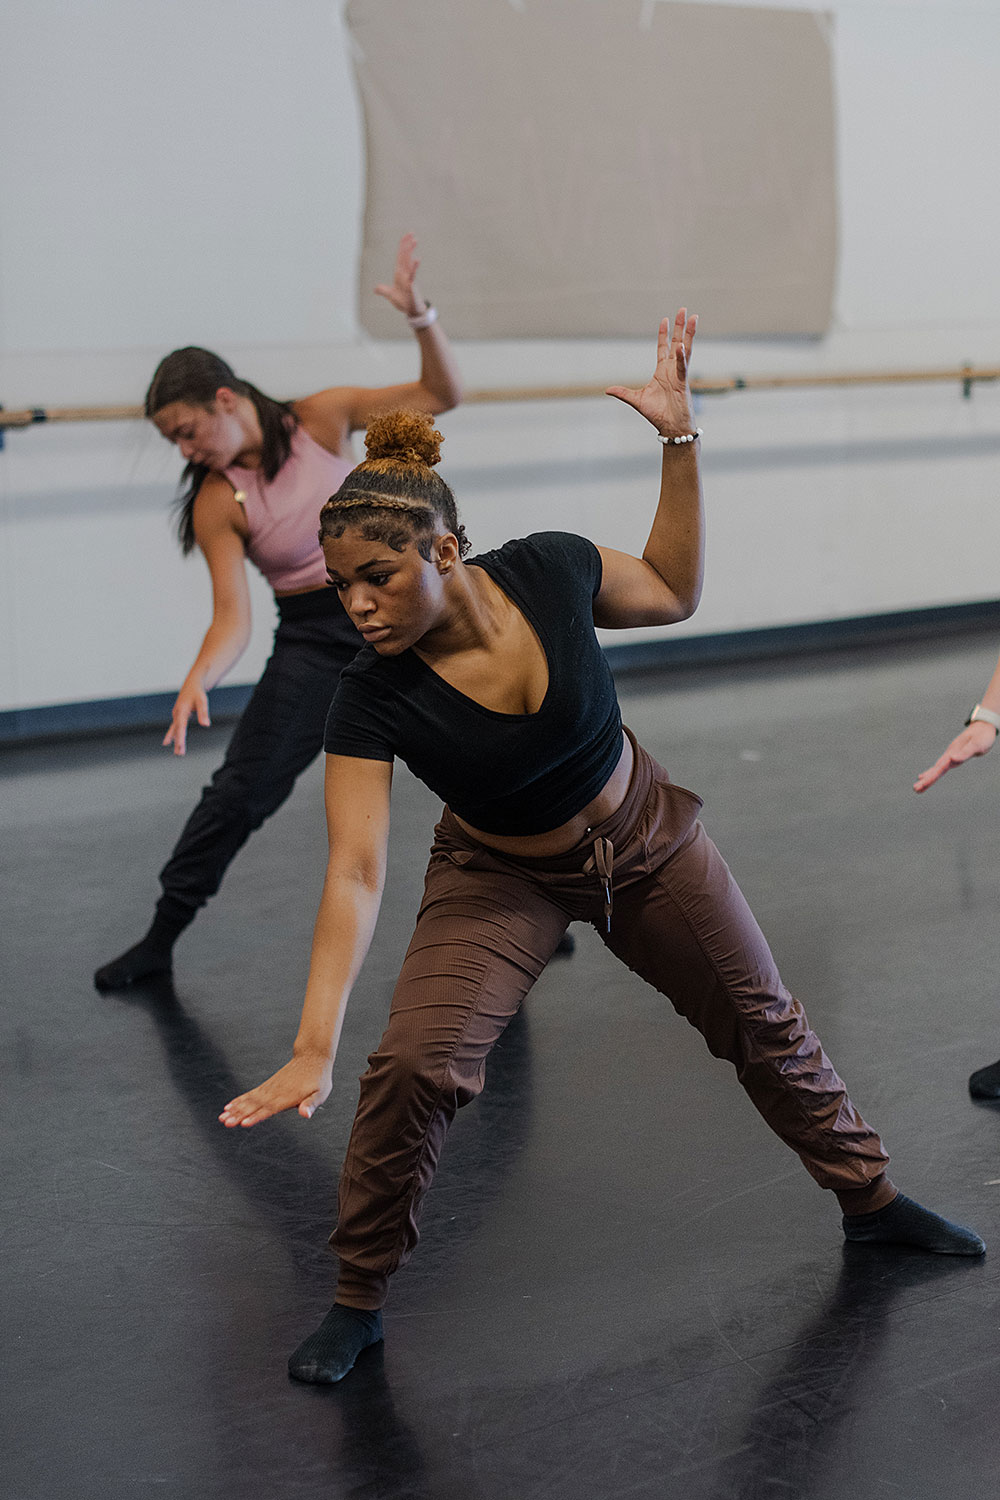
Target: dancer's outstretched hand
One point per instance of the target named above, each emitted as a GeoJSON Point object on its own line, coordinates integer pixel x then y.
{"type": "Point", "coordinates": [401, 292]}
{"type": "Point", "coordinates": [975, 739]}
{"type": "Point", "coordinates": [190, 700]}
{"type": "Point", "coordinates": [302, 1084]}
{"type": "Point", "coordinates": [665, 400]}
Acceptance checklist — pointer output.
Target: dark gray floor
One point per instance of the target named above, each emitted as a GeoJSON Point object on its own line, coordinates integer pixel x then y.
{"type": "Point", "coordinates": [626, 1287]}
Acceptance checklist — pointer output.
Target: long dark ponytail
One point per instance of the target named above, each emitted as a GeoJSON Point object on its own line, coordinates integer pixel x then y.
{"type": "Point", "coordinates": [194, 375]}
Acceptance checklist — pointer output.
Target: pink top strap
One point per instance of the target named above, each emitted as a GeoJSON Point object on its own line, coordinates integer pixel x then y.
{"type": "Point", "coordinates": [283, 514]}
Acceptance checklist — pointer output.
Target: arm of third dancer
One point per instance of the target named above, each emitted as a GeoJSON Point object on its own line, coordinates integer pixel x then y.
{"type": "Point", "coordinates": [975, 739]}
{"type": "Point", "coordinates": [357, 814]}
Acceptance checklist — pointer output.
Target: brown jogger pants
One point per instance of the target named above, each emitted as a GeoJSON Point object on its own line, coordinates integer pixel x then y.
{"type": "Point", "coordinates": [657, 890]}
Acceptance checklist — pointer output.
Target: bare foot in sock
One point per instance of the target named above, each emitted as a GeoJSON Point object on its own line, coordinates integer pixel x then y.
{"type": "Point", "coordinates": [326, 1355]}
{"type": "Point", "coordinates": [903, 1222]}
{"type": "Point", "coordinates": [141, 962]}
{"type": "Point", "coordinates": [152, 956]}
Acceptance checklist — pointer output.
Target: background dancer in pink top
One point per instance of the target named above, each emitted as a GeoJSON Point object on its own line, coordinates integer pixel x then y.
{"type": "Point", "coordinates": [258, 472]}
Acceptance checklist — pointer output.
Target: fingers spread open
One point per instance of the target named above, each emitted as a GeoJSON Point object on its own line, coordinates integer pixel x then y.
{"type": "Point", "coordinates": [663, 340]}
{"type": "Point", "coordinates": [690, 329]}
{"type": "Point", "coordinates": [624, 393]}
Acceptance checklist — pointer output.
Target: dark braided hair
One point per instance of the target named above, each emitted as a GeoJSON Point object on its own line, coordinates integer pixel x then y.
{"type": "Point", "coordinates": [395, 496]}
{"type": "Point", "coordinates": [194, 375]}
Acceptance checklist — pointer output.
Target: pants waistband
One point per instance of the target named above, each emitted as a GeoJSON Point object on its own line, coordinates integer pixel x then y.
{"type": "Point", "coordinates": [313, 604]}
{"type": "Point", "coordinates": [594, 854]}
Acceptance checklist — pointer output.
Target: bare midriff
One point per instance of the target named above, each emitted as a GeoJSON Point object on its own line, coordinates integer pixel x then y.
{"type": "Point", "coordinates": [558, 840]}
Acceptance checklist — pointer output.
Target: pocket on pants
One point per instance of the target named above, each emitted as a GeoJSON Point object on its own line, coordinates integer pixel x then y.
{"type": "Point", "coordinates": [446, 855]}
{"type": "Point", "coordinates": [671, 814]}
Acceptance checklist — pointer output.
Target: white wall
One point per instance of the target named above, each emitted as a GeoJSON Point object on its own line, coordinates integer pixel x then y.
{"type": "Point", "coordinates": [191, 171]}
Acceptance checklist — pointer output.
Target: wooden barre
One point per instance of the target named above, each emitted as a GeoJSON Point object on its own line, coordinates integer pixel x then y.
{"type": "Point", "coordinates": [32, 416]}
{"type": "Point", "coordinates": [965, 375]}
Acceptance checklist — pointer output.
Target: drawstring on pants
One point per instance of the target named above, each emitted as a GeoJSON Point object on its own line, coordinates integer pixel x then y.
{"type": "Point", "coordinates": [601, 863]}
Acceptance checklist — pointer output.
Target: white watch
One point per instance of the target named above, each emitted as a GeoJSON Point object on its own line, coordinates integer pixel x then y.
{"type": "Point", "coordinates": [981, 715]}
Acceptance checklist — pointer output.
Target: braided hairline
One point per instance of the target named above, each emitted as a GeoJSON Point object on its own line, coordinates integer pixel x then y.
{"type": "Point", "coordinates": [377, 501]}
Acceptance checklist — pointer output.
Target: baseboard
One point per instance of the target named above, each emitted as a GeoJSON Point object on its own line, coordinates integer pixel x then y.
{"type": "Point", "coordinates": [102, 715]}
{"type": "Point", "coordinates": [797, 640]}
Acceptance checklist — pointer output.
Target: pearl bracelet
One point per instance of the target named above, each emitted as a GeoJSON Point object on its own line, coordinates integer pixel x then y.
{"type": "Point", "coordinates": [685, 437]}
{"type": "Point", "coordinates": [424, 319]}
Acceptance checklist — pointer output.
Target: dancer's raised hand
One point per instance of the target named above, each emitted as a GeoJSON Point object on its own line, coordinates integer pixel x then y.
{"type": "Point", "coordinates": [401, 291]}
{"type": "Point", "coordinates": [665, 400]}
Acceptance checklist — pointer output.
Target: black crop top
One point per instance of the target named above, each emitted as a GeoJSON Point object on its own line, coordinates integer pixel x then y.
{"type": "Point", "coordinates": [503, 773]}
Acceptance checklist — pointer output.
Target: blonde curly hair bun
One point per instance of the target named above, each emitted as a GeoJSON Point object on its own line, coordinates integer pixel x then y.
{"type": "Point", "coordinates": [404, 437]}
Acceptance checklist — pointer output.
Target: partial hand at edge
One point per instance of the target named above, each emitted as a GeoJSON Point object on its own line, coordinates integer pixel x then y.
{"type": "Point", "coordinates": [302, 1084]}
{"type": "Point", "coordinates": [974, 740]}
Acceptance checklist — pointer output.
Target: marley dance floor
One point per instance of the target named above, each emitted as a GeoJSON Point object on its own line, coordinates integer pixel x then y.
{"type": "Point", "coordinates": [626, 1286]}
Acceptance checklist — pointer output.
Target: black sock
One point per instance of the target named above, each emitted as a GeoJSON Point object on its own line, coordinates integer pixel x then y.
{"type": "Point", "coordinates": [903, 1222]}
{"type": "Point", "coordinates": [153, 955]}
{"type": "Point", "coordinates": [326, 1355]}
{"type": "Point", "coordinates": [985, 1082]}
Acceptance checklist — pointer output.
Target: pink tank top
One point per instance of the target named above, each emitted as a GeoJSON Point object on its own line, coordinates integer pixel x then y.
{"type": "Point", "coordinates": [283, 515]}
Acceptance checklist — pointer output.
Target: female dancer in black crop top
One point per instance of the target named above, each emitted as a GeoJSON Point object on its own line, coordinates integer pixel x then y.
{"type": "Point", "coordinates": [487, 679]}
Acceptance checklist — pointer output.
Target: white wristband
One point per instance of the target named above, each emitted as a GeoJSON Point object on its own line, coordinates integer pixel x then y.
{"type": "Point", "coordinates": [685, 437]}
{"type": "Point", "coordinates": [981, 715]}
{"type": "Point", "coordinates": [424, 319]}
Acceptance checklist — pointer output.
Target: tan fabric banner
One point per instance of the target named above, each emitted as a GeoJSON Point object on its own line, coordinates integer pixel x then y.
{"type": "Point", "coordinates": [579, 167]}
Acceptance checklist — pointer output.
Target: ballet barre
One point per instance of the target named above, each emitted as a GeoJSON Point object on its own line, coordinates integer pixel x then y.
{"type": "Point", "coordinates": [964, 375]}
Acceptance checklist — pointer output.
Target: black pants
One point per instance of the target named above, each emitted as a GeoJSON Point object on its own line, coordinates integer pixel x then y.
{"type": "Point", "coordinates": [279, 733]}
